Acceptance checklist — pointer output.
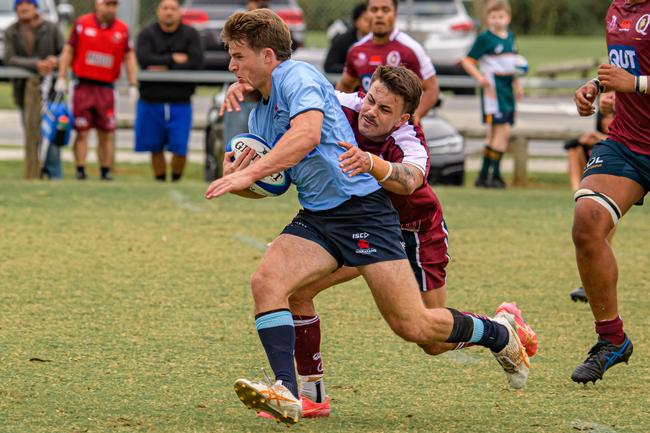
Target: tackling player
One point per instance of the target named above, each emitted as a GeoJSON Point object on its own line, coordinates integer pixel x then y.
{"type": "Point", "coordinates": [386, 45]}
{"type": "Point", "coordinates": [616, 177]}
{"type": "Point", "coordinates": [380, 124]}
{"type": "Point", "coordinates": [302, 119]}
{"type": "Point", "coordinates": [380, 121]}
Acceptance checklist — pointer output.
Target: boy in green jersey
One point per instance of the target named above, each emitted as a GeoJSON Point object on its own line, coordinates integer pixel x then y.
{"type": "Point", "coordinates": [491, 62]}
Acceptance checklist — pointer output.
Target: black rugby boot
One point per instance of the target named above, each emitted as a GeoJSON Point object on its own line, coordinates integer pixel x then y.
{"type": "Point", "coordinates": [579, 294]}
{"type": "Point", "coordinates": [601, 357]}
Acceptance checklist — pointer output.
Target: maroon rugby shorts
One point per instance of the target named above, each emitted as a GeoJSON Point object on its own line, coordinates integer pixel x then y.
{"type": "Point", "coordinates": [93, 106]}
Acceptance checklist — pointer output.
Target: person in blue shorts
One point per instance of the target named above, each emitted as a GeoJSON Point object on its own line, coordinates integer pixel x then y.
{"type": "Point", "coordinates": [164, 111]}
{"type": "Point", "coordinates": [344, 221]}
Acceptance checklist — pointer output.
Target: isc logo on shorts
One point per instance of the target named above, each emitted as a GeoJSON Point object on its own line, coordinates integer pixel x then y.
{"type": "Point", "coordinates": [625, 57]}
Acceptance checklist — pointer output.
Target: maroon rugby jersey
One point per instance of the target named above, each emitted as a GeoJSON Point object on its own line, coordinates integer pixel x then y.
{"type": "Point", "coordinates": [420, 210]}
{"type": "Point", "coordinates": [628, 46]}
{"type": "Point", "coordinates": [401, 49]}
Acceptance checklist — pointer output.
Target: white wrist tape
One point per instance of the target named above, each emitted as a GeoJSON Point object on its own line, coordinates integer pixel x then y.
{"type": "Point", "coordinates": [372, 162]}
{"type": "Point", "coordinates": [643, 84]}
{"type": "Point", "coordinates": [390, 171]}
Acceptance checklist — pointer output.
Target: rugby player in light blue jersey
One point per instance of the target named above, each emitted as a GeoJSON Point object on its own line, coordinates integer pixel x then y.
{"type": "Point", "coordinates": [345, 220]}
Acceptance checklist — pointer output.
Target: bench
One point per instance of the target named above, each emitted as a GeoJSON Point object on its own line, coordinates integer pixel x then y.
{"type": "Point", "coordinates": [583, 66]}
{"type": "Point", "coordinates": [518, 146]}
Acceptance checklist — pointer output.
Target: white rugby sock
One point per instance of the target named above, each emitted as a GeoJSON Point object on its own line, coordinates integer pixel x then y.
{"type": "Point", "coordinates": [313, 387]}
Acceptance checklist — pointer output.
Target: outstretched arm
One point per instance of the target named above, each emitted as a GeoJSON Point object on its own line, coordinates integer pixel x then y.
{"type": "Point", "coordinates": [396, 177]}
{"type": "Point", "coordinates": [301, 138]}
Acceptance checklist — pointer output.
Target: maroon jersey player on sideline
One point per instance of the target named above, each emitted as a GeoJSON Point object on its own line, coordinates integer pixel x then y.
{"type": "Point", "coordinates": [386, 45]}
{"type": "Point", "coordinates": [616, 177]}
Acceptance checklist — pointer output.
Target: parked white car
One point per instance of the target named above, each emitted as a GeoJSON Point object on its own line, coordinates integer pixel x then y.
{"type": "Point", "coordinates": [443, 27]}
{"type": "Point", "coordinates": [47, 8]}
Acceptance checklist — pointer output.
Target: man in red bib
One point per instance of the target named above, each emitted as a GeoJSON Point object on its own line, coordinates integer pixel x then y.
{"type": "Point", "coordinates": [98, 45]}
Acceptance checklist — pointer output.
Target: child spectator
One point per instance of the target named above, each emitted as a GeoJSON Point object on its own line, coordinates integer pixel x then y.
{"type": "Point", "coordinates": [491, 62]}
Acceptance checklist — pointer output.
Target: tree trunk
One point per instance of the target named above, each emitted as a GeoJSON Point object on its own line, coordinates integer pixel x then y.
{"type": "Point", "coordinates": [32, 127]}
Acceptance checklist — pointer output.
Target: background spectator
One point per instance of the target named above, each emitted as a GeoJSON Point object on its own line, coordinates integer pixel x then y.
{"type": "Point", "coordinates": [335, 60]}
{"type": "Point", "coordinates": [491, 62]}
{"type": "Point", "coordinates": [387, 45]}
{"type": "Point", "coordinates": [34, 43]}
{"type": "Point", "coordinates": [579, 149]}
{"type": "Point", "coordinates": [164, 111]}
{"type": "Point", "coordinates": [98, 44]}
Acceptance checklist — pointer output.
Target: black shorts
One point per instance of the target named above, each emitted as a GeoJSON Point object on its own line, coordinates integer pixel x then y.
{"type": "Point", "coordinates": [612, 157]}
{"type": "Point", "coordinates": [360, 231]}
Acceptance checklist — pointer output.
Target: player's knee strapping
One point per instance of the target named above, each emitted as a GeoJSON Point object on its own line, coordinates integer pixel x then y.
{"type": "Point", "coordinates": [600, 198]}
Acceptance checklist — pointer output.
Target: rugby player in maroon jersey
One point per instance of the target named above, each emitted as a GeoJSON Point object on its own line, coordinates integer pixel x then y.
{"type": "Point", "coordinates": [615, 178]}
{"type": "Point", "coordinates": [387, 45]}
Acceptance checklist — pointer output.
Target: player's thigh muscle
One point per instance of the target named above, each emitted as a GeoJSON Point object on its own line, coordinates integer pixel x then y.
{"type": "Point", "coordinates": [625, 192]}
{"type": "Point", "coordinates": [398, 298]}
{"type": "Point", "coordinates": [341, 275]}
{"type": "Point", "coordinates": [289, 263]}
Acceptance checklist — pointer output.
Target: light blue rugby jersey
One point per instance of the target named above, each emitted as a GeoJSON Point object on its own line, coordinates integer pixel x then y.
{"type": "Point", "coordinates": [299, 87]}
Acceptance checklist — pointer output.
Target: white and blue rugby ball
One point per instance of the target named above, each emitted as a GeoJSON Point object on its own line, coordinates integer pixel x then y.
{"type": "Point", "coordinates": [270, 186]}
{"type": "Point", "coordinates": [521, 65]}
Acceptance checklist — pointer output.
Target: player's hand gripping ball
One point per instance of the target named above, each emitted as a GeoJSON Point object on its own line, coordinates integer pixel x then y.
{"type": "Point", "coordinates": [270, 186]}
{"type": "Point", "coordinates": [521, 65]}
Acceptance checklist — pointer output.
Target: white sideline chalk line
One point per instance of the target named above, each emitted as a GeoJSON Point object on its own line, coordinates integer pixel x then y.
{"type": "Point", "coordinates": [250, 242]}
{"type": "Point", "coordinates": [183, 202]}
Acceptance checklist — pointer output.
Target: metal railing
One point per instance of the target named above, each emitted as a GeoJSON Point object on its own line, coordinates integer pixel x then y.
{"type": "Point", "coordinates": [219, 78]}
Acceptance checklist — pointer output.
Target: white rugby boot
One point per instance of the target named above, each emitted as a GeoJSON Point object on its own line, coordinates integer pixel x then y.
{"type": "Point", "coordinates": [513, 357]}
{"type": "Point", "coordinates": [275, 399]}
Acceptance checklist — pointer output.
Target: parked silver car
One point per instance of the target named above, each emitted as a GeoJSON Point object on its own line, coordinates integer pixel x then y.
{"type": "Point", "coordinates": [47, 8]}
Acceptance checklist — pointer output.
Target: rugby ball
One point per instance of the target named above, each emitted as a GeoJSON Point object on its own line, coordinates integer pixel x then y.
{"type": "Point", "coordinates": [270, 186]}
{"type": "Point", "coordinates": [521, 65]}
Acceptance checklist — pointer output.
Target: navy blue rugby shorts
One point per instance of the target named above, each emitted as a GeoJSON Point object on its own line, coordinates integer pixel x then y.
{"type": "Point", "coordinates": [360, 231]}
{"type": "Point", "coordinates": [612, 157]}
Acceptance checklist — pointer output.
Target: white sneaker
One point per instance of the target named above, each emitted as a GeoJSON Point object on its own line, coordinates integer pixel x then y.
{"type": "Point", "coordinates": [513, 357]}
{"type": "Point", "coordinates": [276, 400]}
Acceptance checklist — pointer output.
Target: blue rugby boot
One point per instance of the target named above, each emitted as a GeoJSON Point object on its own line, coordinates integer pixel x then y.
{"type": "Point", "coordinates": [601, 357]}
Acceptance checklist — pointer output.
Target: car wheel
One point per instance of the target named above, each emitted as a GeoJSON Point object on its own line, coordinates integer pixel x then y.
{"type": "Point", "coordinates": [213, 153]}
{"type": "Point", "coordinates": [456, 178]}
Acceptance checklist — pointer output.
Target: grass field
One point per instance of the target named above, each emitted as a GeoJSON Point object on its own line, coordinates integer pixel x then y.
{"type": "Point", "coordinates": [125, 307]}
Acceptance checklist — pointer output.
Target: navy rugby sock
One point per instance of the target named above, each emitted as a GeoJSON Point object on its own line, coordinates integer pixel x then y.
{"type": "Point", "coordinates": [479, 330]}
{"type": "Point", "coordinates": [278, 337]}
{"type": "Point", "coordinates": [496, 164]}
{"type": "Point", "coordinates": [485, 167]}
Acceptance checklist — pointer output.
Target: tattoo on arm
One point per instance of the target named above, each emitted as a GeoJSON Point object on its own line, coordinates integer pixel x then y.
{"type": "Point", "coordinates": [404, 174]}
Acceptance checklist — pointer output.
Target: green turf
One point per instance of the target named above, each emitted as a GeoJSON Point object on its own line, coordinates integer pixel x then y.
{"type": "Point", "coordinates": [6, 98]}
{"type": "Point", "coordinates": [125, 307]}
{"type": "Point", "coordinates": [541, 50]}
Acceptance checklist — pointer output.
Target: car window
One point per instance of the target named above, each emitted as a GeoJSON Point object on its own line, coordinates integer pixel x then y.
{"type": "Point", "coordinates": [7, 6]}
{"type": "Point", "coordinates": [430, 7]}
